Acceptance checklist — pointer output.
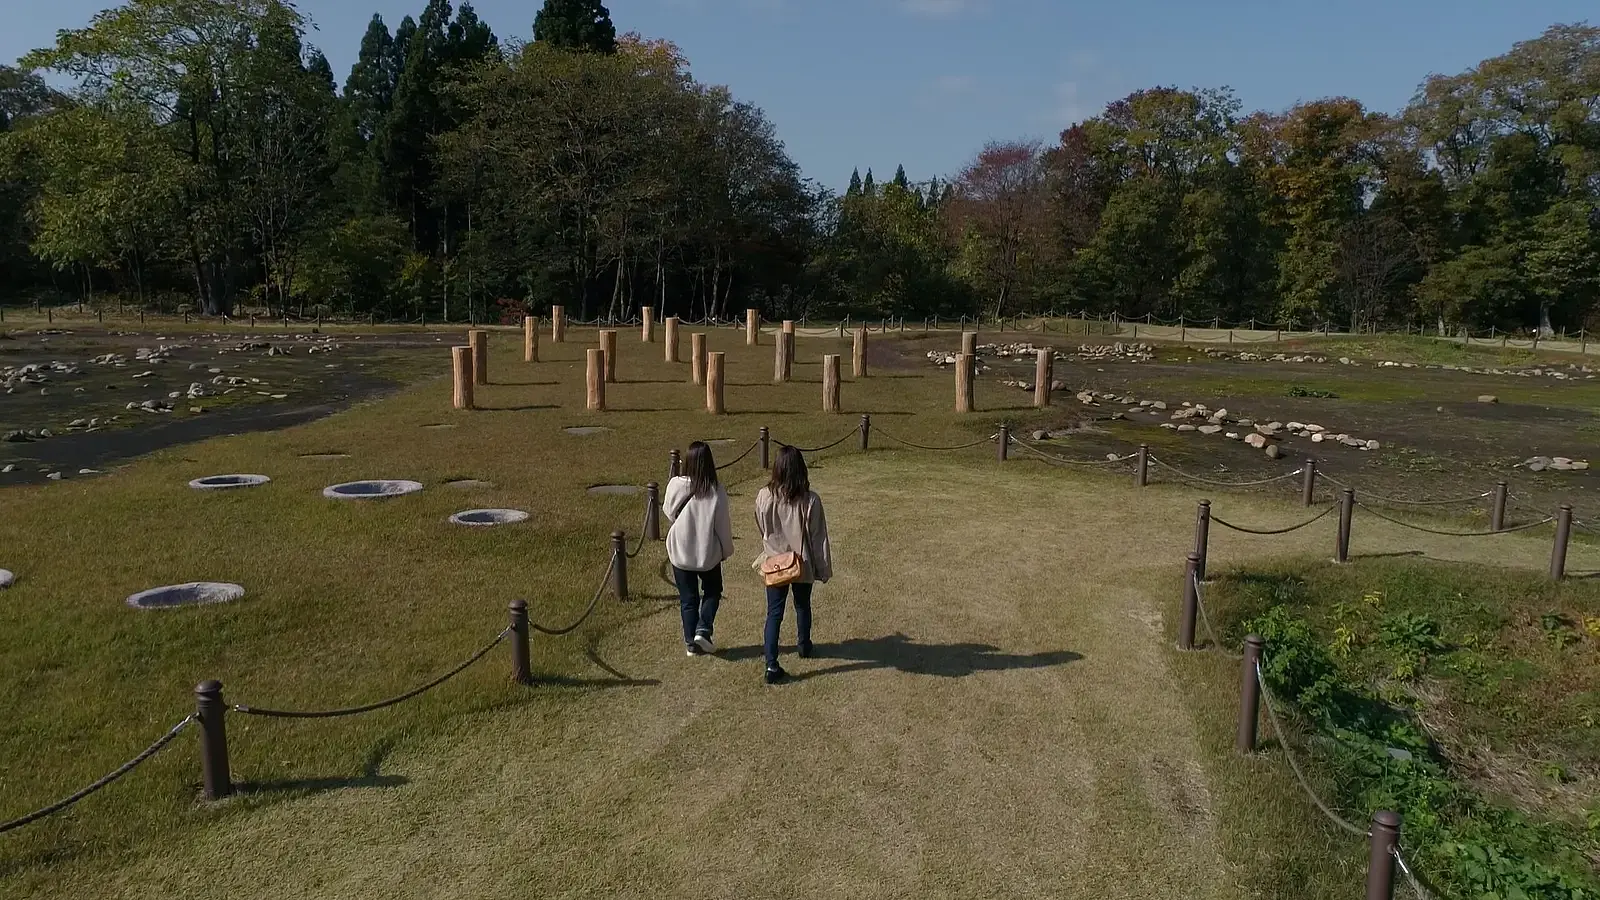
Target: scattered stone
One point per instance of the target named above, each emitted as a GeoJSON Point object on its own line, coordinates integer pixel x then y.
{"type": "Point", "coordinates": [1256, 439]}
{"type": "Point", "coordinates": [1210, 429]}
{"type": "Point", "coordinates": [1185, 429]}
{"type": "Point", "coordinates": [1041, 435]}
{"type": "Point", "coordinates": [1485, 398]}
{"type": "Point", "coordinates": [8, 469]}
{"type": "Point", "coordinates": [1273, 451]}
{"type": "Point", "coordinates": [54, 476]}
{"type": "Point", "coordinates": [1232, 435]}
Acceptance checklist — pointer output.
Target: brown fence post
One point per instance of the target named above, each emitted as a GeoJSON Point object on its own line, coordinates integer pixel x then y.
{"type": "Point", "coordinates": [1141, 473]}
{"type": "Point", "coordinates": [1244, 740]}
{"type": "Point", "coordinates": [520, 671]}
{"type": "Point", "coordinates": [1347, 509]}
{"type": "Point", "coordinates": [697, 358]}
{"type": "Point", "coordinates": [964, 370]}
{"type": "Point", "coordinates": [652, 512]}
{"type": "Point", "coordinates": [858, 353]}
{"type": "Point", "coordinates": [1558, 551]}
{"type": "Point", "coordinates": [1191, 602]}
{"type": "Point", "coordinates": [1202, 535]}
{"type": "Point", "coordinates": [716, 400]}
{"type": "Point", "coordinates": [671, 349]}
{"type": "Point", "coordinates": [781, 363]}
{"type": "Point", "coordinates": [530, 339]}
{"type": "Point", "coordinates": [1497, 512]}
{"type": "Point", "coordinates": [619, 572]}
{"type": "Point", "coordinates": [215, 778]}
{"type": "Point", "coordinates": [866, 432]}
{"type": "Point", "coordinates": [766, 448]}
{"type": "Point", "coordinates": [461, 377]}
{"type": "Point", "coordinates": [478, 340]}
{"type": "Point", "coordinates": [597, 379]}
{"type": "Point", "coordinates": [752, 327]}
{"type": "Point", "coordinates": [1043, 375]}
{"type": "Point", "coordinates": [1005, 442]}
{"type": "Point", "coordinates": [1308, 482]}
{"type": "Point", "coordinates": [969, 343]}
{"type": "Point", "coordinates": [1382, 839]}
{"type": "Point", "coordinates": [608, 346]}
{"type": "Point", "coordinates": [647, 328]}
{"type": "Point", "coordinates": [830, 383]}
{"type": "Point", "coordinates": [674, 463]}
{"type": "Point", "coordinates": [558, 324]}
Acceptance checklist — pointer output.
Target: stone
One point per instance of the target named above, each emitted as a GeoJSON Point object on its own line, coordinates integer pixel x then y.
{"type": "Point", "coordinates": [1210, 429]}
{"type": "Point", "coordinates": [1158, 404]}
{"type": "Point", "coordinates": [1256, 439]}
{"type": "Point", "coordinates": [1317, 438]}
{"type": "Point", "coordinates": [54, 476]}
{"type": "Point", "coordinates": [1579, 466]}
{"type": "Point", "coordinates": [1295, 426]}
{"type": "Point", "coordinates": [1058, 385]}
{"type": "Point", "coordinates": [8, 469]}
{"type": "Point", "coordinates": [1273, 451]}
{"type": "Point", "coordinates": [1232, 435]}
{"type": "Point", "coordinates": [1486, 398]}
{"type": "Point", "coordinates": [1041, 435]}
{"type": "Point", "coordinates": [1185, 429]}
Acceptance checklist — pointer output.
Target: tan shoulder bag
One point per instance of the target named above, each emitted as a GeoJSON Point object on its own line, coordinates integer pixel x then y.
{"type": "Point", "coordinates": [787, 568]}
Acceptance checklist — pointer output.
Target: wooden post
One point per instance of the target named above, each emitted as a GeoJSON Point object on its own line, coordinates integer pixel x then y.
{"type": "Point", "coordinates": [782, 362]}
{"type": "Point", "coordinates": [714, 396]}
{"type": "Point", "coordinates": [672, 339]}
{"type": "Point", "coordinates": [969, 343]}
{"type": "Point", "coordinates": [1043, 373]}
{"type": "Point", "coordinates": [648, 330]}
{"type": "Point", "coordinates": [478, 340]}
{"type": "Point", "coordinates": [858, 355]}
{"type": "Point", "coordinates": [830, 383]}
{"type": "Point", "coordinates": [608, 346]}
{"type": "Point", "coordinates": [752, 327]}
{"type": "Point", "coordinates": [530, 339]}
{"type": "Point", "coordinates": [697, 358]}
{"type": "Point", "coordinates": [597, 379]}
{"type": "Point", "coordinates": [558, 324]}
{"type": "Point", "coordinates": [964, 371]}
{"type": "Point", "coordinates": [461, 371]}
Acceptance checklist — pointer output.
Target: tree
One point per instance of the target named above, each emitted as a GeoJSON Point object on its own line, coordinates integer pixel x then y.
{"type": "Point", "coordinates": [900, 178]}
{"type": "Point", "coordinates": [999, 214]}
{"type": "Point", "coordinates": [583, 25]}
{"type": "Point", "coordinates": [854, 190]}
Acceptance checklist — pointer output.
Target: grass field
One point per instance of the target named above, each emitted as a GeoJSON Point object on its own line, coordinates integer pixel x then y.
{"type": "Point", "coordinates": [995, 712]}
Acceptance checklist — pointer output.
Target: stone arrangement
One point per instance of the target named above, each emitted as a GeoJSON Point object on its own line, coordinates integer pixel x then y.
{"type": "Point", "coordinates": [489, 517]}
{"type": "Point", "coordinates": [370, 490]}
{"type": "Point", "coordinates": [1571, 372]}
{"type": "Point", "coordinates": [1553, 463]}
{"type": "Point", "coordinates": [1197, 418]}
{"type": "Point", "coordinates": [226, 482]}
{"type": "Point", "coordinates": [195, 593]}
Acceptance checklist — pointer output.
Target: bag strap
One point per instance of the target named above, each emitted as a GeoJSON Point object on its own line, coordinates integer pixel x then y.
{"type": "Point", "coordinates": [805, 529]}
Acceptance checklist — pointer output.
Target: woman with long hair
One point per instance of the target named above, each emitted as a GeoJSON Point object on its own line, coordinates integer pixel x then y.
{"type": "Point", "coordinates": [790, 519]}
{"type": "Point", "coordinates": [700, 539]}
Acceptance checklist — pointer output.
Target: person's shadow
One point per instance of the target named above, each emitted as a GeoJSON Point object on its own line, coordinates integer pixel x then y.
{"type": "Point", "coordinates": [904, 654]}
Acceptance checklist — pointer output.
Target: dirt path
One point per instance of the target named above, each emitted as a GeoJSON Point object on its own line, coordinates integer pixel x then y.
{"type": "Point", "coordinates": [992, 714]}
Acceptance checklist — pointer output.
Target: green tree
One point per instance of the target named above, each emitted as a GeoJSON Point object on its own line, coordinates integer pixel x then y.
{"type": "Point", "coordinates": [575, 25]}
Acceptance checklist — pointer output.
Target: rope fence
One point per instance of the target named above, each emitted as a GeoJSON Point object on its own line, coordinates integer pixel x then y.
{"type": "Point", "coordinates": [1274, 531]}
{"type": "Point", "coordinates": [1426, 530]}
{"type": "Point", "coordinates": [101, 782]}
{"type": "Point", "coordinates": [1187, 476]}
{"type": "Point", "coordinates": [594, 603]}
{"type": "Point", "coordinates": [915, 446]}
{"type": "Point", "coordinates": [1294, 765]}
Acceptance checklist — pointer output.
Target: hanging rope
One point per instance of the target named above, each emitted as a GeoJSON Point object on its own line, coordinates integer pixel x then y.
{"type": "Point", "coordinates": [1270, 531]}
{"type": "Point", "coordinates": [1426, 530]}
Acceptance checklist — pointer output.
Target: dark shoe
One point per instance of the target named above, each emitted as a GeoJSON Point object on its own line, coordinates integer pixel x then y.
{"type": "Point", "coordinates": [694, 651]}
{"type": "Point", "coordinates": [776, 674]}
{"type": "Point", "coordinates": [806, 651]}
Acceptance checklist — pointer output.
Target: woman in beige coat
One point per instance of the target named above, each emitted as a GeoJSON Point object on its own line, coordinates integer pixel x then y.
{"type": "Point", "coordinates": [790, 519]}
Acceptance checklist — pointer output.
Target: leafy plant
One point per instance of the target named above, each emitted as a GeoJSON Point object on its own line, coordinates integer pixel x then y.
{"type": "Point", "coordinates": [1301, 391]}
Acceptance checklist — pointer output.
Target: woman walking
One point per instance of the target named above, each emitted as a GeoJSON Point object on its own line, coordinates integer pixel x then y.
{"type": "Point", "coordinates": [700, 538]}
{"type": "Point", "coordinates": [790, 518]}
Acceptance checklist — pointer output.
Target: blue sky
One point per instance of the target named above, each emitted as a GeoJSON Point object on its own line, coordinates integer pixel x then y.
{"type": "Point", "coordinates": [873, 83]}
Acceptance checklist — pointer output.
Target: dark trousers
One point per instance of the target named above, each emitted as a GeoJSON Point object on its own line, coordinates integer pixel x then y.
{"type": "Point", "coordinates": [776, 596]}
{"type": "Point", "coordinates": [699, 595]}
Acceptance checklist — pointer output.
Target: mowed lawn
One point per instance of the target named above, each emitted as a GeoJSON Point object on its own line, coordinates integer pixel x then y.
{"type": "Point", "coordinates": [995, 710]}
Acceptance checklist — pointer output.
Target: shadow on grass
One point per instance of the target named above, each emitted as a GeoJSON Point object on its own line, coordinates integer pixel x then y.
{"type": "Point", "coordinates": [617, 679]}
{"type": "Point", "coordinates": [526, 408]}
{"type": "Point", "coordinates": [369, 778]}
{"type": "Point", "coordinates": [904, 654]}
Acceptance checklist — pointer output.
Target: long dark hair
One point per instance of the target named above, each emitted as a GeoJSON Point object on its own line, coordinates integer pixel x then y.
{"type": "Point", "coordinates": [701, 469]}
{"type": "Point", "coordinates": [789, 481]}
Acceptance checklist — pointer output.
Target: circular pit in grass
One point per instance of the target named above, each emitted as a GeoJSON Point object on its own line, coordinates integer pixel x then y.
{"type": "Point", "coordinates": [377, 489]}
{"type": "Point", "coordinates": [586, 430]}
{"type": "Point", "coordinates": [468, 484]}
{"type": "Point", "coordinates": [615, 490]}
{"type": "Point", "coordinates": [224, 482]}
{"type": "Point", "coordinates": [7, 579]}
{"type": "Point", "coordinates": [195, 593]}
{"type": "Point", "coordinates": [482, 517]}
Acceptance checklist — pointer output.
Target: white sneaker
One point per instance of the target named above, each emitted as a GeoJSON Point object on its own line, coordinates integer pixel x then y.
{"type": "Point", "coordinates": [703, 641]}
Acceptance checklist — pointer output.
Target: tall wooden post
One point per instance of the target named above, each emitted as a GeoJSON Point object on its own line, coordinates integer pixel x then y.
{"type": "Point", "coordinates": [478, 340]}
{"type": "Point", "coordinates": [648, 329]}
{"type": "Point", "coordinates": [714, 378]}
{"type": "Point", "coordinates": [697, 358]}
{"type": "Point", "coordinates": [596, 379]}
{"type": "Point", "coordinates": [530, 339]}
{"type": "Point", "coordinates": [830, 383]}
{"type": "Point", "coordinates": [461, 372]}
{"type": "Point", "coordinates": [969, 343]}
{"type": "Point", "coordinates": [964, 371]}
{"type": "Point", "coordinates": [752, 327]}
{"type": "Point", "coordinates": [858, 355]}
{"type": "Point", "coordinates": [782, 363]}
{"type": "Point", "coordinates": [608, 346]}
{"type": "Point", "coordinates": [672, 339]}
{"type": "Point", "coordinates": [1043, 374]}
{"type": "Point", "coordinates": [558, 324]}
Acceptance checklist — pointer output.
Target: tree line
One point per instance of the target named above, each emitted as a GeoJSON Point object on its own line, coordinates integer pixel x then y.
{"type": "Point", "coordinates": [202, 153]}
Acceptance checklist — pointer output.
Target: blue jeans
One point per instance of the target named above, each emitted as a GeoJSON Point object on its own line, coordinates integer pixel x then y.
{"type": "Point", "coordinates": [776, 596]}
{"type": "Point", "coordinates": [699, 595]}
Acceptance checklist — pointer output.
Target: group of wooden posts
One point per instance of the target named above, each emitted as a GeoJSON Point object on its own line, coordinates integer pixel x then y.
{"type": "Point", "coordinates": [470, 364]}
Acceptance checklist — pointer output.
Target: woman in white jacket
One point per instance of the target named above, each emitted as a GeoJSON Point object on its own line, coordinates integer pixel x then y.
{"type": "Point", "coordinates": [700, 539]}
